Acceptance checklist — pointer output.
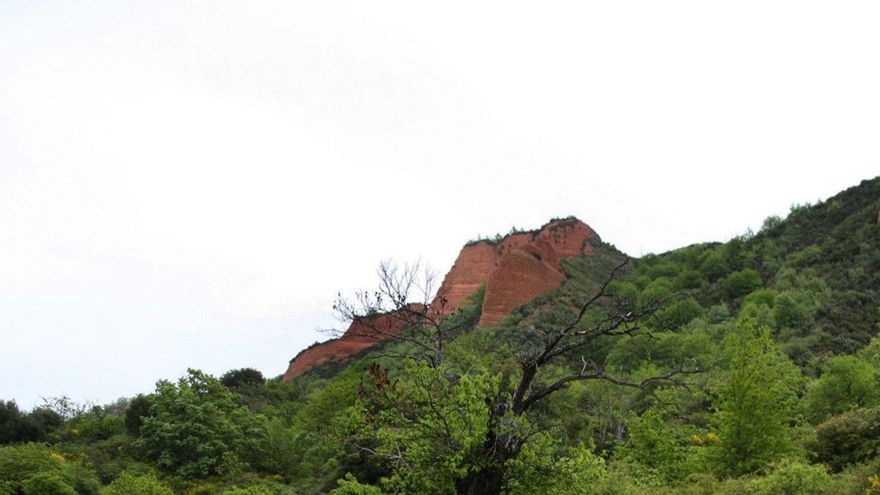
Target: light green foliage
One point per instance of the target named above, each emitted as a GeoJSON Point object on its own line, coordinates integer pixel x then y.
{"type": "Point", "coordinates": [793, 478]}
{"type": "Point", "coordinates": [625, 294]}
{"type": "Point", "coordinates": [656, 292]}
{"type": "Point", "coordinates": [431, 433]}
{"type": "Point", "coordinates": [661, 448]}
{"type": "Point", "coordinates": [350, 486]}
{"type": "Point", "coordinates": [250, 490]}
{"type": "Point", "coordinates": [668, 270]}
{"type": "Point", "coordinates": [278, 452]}
{"type": "Point", "coordinates": [47, 484]}
{"type": "Point", "coordinates": [677, 314]}
{"type": "Point", "coordinates": [847, 382]}
{"type": "Point", "coordinates": [756, 403]}
{"type": "Point", "coordinates": [767, 297]}
{"type": "Point", "coordinates": [196, 428]}
{"type": "Point", "coordinates": [19, 463]}
{"type": "Point", "coordinates": [540, 470]}
{"type": "Point", "coordinates": [322, 405]}
{"type": "Point", "coordinates": [131, 484]}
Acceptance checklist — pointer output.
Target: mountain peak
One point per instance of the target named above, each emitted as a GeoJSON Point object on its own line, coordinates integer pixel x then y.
{"type": "Point", "coordinates": [515, 269]}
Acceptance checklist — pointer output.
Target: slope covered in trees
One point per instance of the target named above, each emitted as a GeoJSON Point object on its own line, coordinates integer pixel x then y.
{"type": "Point", "coordinates": [745, 367]}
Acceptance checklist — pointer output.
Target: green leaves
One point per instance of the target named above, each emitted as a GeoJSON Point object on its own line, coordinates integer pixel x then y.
{"type": "Point", "coordinates": [756, 405]}
{"type": "Point", "coordinates": [196, 428]}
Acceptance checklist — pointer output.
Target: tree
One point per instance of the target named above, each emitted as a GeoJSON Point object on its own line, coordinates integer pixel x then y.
{"type": "Point", "coordinates": [138, 408]}
{"type": "Point", "coordinates": [16, 426]}
{"type": "Point", "coordinates": [242, 377]}
{"type": "Point", "coordinates": [756, 403]}
{"type": "Point", "coordinates": [848, 438]}
{"type": "Point", "coordinates": [741, 283]}
{"type": "Point", "coordinates": [847, 382]}
{"type": "Point", "coordinates": [481, 424]}
{"type": "Point", "coordinates": [714, 266]}
{"type": "Point", "coordinates": [196, 427]}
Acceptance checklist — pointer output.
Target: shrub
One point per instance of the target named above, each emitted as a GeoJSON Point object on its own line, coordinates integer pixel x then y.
{"type": "Point", "coordinates": [714, 266]}
{"type": "Point", "coordinates": [766, 297]}
{"type": "Point", "coordinates": [848, 438]}
{"type": "Point", "coordinates": [16, 426]}
{"type": "Point", "coordinates": [196, 428]}
{"type": "Point", "coordinates": [47, 484]}
{"type": "Point", "coordinates": [793, 478]}
{"type": "Point", "coordinates": [668, 270]}
{"type": "Point", "coordinates": [138, 408]}
{"type": "Point", "coordinates": [242, 377]}
{"type": "Point", "coordinates": [677, 314]}
{"type": "Point", "coordinates": [847, 382]}
{"type": "Point", "coordinates": [19, 463]}
{"type": "Point", "coordinates": [130, 484]}
{"type": "Point", "coordinates": [740, 283]}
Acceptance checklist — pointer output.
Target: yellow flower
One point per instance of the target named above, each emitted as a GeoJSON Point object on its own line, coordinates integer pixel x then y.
{"type": "Point", "coordinates": [873, 485]}
{"type": "Point", "coordinates": [55, 456]}
{"type": "Point", "coordinates": [711, 436]}
{"type": "Point", "coordinates": [697, 439]}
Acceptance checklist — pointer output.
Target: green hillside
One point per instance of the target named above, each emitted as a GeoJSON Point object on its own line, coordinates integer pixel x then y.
{"type": "Point", "coordinates": [745, 367]}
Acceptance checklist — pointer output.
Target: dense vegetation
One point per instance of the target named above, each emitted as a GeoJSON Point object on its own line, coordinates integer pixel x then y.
{"type": "Point", "coordinates": [748, 367]}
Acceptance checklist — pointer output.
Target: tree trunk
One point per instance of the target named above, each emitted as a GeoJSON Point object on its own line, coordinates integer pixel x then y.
{"type": "Point", "coordinates": [485, 482]}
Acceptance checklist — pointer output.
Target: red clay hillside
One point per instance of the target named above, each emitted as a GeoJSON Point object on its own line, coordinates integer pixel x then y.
{"type": "Point", "coordinates": [516, 269]}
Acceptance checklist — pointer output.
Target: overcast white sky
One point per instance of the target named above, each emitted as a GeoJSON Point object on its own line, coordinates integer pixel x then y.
{"type": "Point", "coordinates": [188, 184]}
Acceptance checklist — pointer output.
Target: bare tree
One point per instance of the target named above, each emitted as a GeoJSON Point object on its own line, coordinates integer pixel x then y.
{"type": "Point", "coordinates": [404, 308]}
{"type": "Point", "coordinates": [593, 317]}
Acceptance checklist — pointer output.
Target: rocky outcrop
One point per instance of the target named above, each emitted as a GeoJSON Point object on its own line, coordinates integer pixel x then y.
{"type": "Point", "coordinates": [361, 334]}
{"type": "Point", "coordinates": [514, 269]}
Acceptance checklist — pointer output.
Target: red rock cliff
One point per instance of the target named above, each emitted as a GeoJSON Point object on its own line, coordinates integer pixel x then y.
{"type": "Point", "coordinates": [517, 269]}
{"type": "Point", "coordinates": [361, 334]}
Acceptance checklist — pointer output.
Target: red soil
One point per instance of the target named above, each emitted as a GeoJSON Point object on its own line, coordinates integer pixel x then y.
{"type": "Point", "coordinates": [519, 268]}
{"type": "Point", "coordinates": [363, 333]}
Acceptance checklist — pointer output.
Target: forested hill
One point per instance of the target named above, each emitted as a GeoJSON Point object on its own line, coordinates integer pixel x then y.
{"type": "Point", "coordinates": [745, 367]}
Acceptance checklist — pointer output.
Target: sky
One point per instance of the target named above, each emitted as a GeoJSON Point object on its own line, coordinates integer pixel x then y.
{"type": "Point", "coordinates": [190, 184]}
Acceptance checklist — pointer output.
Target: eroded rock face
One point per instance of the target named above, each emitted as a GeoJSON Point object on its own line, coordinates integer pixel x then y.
{"type": "Point", "coordinates": [517, 269]}
{"type": "Point", "coordinates": [361, 334]}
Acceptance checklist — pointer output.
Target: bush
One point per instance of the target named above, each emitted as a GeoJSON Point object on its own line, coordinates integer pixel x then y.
{"type": "Point", "coordinates": [196, 428]}
{"type": "Point", "coordinates": [677, 314]}
{"type": "Point", "coordinates": [19, 463]}
{"type": "Point", "coordinates": [766, 297]}
{"type": "Point", "coordinates": [848, 438]}
{"type": "Point", "coordinates": [242, 377]}
{"type": "Point", "coordinates": [138, 408]}
{"type": "Point", "coordinates": [788, 313]}
{"type": "Point", "coordinates": [741, 283]}
{"type": "Point", "coordinates": [793, 478]}
{"type": "Point", "coordinates": [668, 270]}
{"type": "Point", "coordinates": [16, 426]}
{"type": "Point", "coordinates": [847, 382]}
{"type": "Point", "coordinates": [130, 484]}
{"type": "Point", "coordinates": [47, 484]}
{"type": "Point", "coordinates": [714, 266]}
